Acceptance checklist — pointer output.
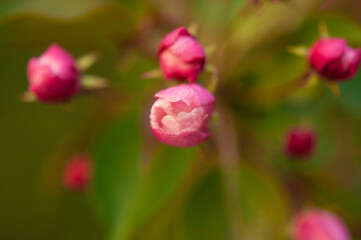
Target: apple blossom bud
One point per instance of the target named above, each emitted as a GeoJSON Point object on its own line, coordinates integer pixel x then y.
{"type": "Point", "coordinates": [53, 77]}
{"type": "Point", "coordinates": [77, 173]}
{"type": "Point", "coordinates": [333, 59]}
{"type": "Point", "coordinates": [300, 142]}
{"type": "Point", "coordinates": [319, 225]}
{"type": "Point", "coordinates": [181, 56]}
{"type": "Point", "coordinates": [179, 117]}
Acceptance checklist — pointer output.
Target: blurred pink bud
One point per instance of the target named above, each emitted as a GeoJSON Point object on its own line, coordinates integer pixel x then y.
{"type": "Point", "coordinates": [300, 142]}
{"type": "Point", "coordinates": [179, 117]}
{"type": "Point", "coordinates": [53, 77]}
{"type": "Point", "coordinates": [319, 225]}
{"type": "Point", "coordinates": [181, 56]}
{"type": "Point", "coordinates": [333, 59]}
{"type": "Point", "coordinates": [77, 173]}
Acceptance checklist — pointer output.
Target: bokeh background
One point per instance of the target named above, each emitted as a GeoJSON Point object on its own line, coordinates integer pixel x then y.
{"type": "Point", "coordinates": [238, 185]}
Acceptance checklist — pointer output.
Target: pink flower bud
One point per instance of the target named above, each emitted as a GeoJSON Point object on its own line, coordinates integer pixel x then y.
{"type": "Point", "coordinates": [53, 77]}
{"type": "Point", "coordinates": [181, 56]}
{"type": "Point", "coordinates": [179, 117]}
{"type": "Point", "coordinates": [319, 225]}
{"type": "Point", "coordinates": [77, 173]}
{"type": "Point", "coordinates": [333, 59]}
{"type": "Point", "coordinates": [300, 142]}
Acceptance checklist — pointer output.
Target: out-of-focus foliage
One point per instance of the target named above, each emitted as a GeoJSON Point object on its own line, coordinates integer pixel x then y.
{"type": "Point", "coordinates": [244, 189]}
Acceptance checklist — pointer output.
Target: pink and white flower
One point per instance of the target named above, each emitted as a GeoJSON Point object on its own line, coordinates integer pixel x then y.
{"type": "Point", "coordinates": [180, 115]}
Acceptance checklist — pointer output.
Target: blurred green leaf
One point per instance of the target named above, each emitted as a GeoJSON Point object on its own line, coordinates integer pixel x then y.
{"type": "Point", "coordinates": [104, 25]}
{"type": "Point", "coordinates": [350, 94]}
{"type": "Point", "coordinates": [216, 13]}
{"type": "Point", "coordinates": [117, 157]}
{"type": "Point", "coordinates": [265, 209]}
{"type": "Point", "coordinates": [339, 26]}
{"type": "Point", "coordinates": [204, 214]}
{"type": "Point", "coordinates": [126, 192]}
{"type": "Point", "coordinates": [57, 8]}
{"type": "Point", "coordinates": [64, 8]}
{"type": "Point", "coordinates": [165, 176]}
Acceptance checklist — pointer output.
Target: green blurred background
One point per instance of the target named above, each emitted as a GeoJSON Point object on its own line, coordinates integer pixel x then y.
{"type": "Point", "coordinates": [236, 186]}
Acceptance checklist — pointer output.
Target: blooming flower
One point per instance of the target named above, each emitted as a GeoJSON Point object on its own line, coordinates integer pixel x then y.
{"type": "Point", "coordinates": [53, 77]}
{"type": "Point", "coordinates": [181, 56]}
{"type": "Point", "coordinates": [319, 225]}
{"type": "Point", "coordinates": [179, 117]}
{"type": "Point", "coordinates": [333, 59]}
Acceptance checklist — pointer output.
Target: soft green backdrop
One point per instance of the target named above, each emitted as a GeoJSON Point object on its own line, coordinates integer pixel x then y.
{"type": "Point", "coordinates": [236, 186]}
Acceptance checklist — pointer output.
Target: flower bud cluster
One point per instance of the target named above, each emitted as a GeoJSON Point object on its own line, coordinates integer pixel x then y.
{"type": "Point", "coordinates": [180, 115]}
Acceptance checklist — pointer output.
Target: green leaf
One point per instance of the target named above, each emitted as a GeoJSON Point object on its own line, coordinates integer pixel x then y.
{"type": "Point", "coordinates": [126, 192]}
{"type": "Point", "coordinates": [169, 170]}
{"type": "Point", "coordinates": [234, 8]}
{"type": "Point", "coordinates": [59, 9]}
{"type": "Point", "coordinates": [117, 157]}
{"type": "Point", "coordinates": [216, 12]}
{"type": "Point", "coordinates": [103, 25]}
{"type": "Point", "coordinates": [204, 212]}
{"type": "Point", "coordinates": [350, 94]}
{"type": "Point", "coordinates": [265, 209]}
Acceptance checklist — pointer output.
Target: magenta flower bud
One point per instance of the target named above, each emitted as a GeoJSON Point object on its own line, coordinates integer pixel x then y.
{"type": "Point", "coordinates": [77, 173]}
{"type": "Point", "coordinates": [179, 117]}
{"type": "Point", "coordinates": [53, 77]}
{"type": "Point", "coordinates": [181, 56]}
{"type": "Point", "coordinates": [300, 142]}
{"type": "Point", "coordinates": [333, 59]}
{"type": "Point", "coordinates": [319, 225]}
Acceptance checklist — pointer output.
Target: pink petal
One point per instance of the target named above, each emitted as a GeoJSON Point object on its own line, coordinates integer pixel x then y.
{"type": "Point", "coordinates": [188, 50]}
{"type": "Point", "coordinates": [171, 37]}
{"type": "Point", "coordinates": [173, 67]}
{"type": "Point", "coordinates": [325, 51]}
{"type": "Point", "coordinates": [191, 94]}
{"type": "Point", "coordinates": [186, 138]}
